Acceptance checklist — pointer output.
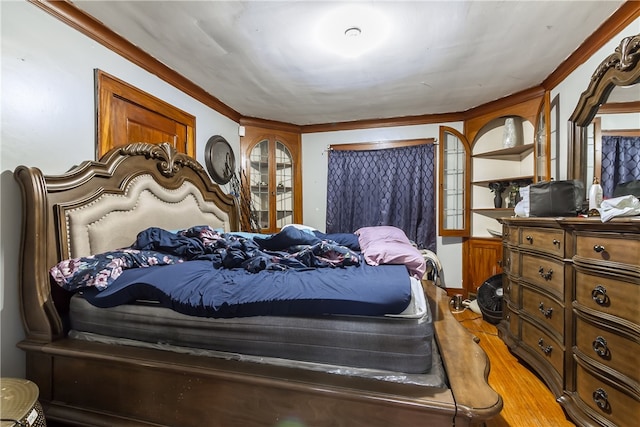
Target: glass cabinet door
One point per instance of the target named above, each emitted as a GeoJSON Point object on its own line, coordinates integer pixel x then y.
{"type": "Point", "coordinates": [271, 177]}
{"type": "Point", "coordinates": [453, 197]}
{"type": "Point", "coordinates": [284, 185]}
{"type": "Point", "coordinates": [259, 179]}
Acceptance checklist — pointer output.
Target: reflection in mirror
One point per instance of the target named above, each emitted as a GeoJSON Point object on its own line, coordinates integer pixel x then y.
{"type": "Point", "coordinates": [613, 141]}
{"type": "Point", "coordinates": [615, 83]}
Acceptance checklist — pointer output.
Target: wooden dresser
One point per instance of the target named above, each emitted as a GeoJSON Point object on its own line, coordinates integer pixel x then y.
{"type": "Point", "coordinates": [572, 311]}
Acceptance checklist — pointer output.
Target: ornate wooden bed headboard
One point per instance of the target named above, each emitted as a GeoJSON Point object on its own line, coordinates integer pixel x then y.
{"type": "Point", "coordinates": [75, 214]}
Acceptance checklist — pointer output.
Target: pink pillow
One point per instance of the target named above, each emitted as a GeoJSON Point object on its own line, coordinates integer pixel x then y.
{"type": "Point", "coordinates": [389, 245]}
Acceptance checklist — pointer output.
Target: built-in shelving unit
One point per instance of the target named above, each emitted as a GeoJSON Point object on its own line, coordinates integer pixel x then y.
{"type": "Point", "coordinates": [491, 162]}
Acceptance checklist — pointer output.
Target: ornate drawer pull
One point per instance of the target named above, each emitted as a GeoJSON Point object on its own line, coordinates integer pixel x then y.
{"type": "Point", "coordinates": [600, 397]}
{"type": "Point", "coordinates": [598, 248]}
{"type": "Point", "coordinates": [529, 239]}
{"type": "Point", "coordinates": [599, 295]}
{"type": "Point", "coordinates": [546, 350]}
{"type": "Point", "coordinates": [600, 347]}
{"type": "Point", "coordinates": [546, 313]}
{"type": "Point", "coordinates": [556, 242]}
{"type": "Point", "coordinates": [547, 275]}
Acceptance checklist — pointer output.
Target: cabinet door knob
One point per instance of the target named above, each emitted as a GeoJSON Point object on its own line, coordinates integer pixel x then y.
{"type": "Point", "coordinates": [546, 313]}
{"type": "Point", "coordinates": [600, 347]}
{"type": "Point", "coordinates": [601, 399]}
{"type": "Point", "coordinates": [598, 248]}
{"type": "Point", "coordinates": [599, 295]}
{"type": "Point", "coordinates": [529, 239]}
{"type": "Point", "coordinates": [545, 349]}
{"type": "Point", "coordinates": [556, 242]}
{"type": "Point", "coordinates": [546, 276]}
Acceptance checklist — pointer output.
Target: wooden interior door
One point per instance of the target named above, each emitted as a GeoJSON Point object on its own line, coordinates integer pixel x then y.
{"type": "Point", "coordinates": [127, 114]}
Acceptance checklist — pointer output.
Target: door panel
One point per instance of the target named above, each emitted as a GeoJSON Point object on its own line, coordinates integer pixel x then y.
{"type": "Point", "coordinates": [126, 114]}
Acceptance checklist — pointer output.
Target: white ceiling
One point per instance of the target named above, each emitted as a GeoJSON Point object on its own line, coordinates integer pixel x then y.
{"type": "Point", "coordinates": [261, 57]}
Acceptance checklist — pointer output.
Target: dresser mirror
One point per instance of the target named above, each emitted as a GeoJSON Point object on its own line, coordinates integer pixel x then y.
{"type": "Point", "coordinates": [609, 106]}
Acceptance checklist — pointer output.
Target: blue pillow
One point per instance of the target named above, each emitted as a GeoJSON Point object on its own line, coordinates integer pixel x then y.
{"type": "Point", "coordinates": [287, 237]}
{"type": "Point", "coordinates": [349, 240]}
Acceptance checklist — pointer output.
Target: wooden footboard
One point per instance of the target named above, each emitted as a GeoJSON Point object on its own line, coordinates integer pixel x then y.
{"type": "Point", "coordinates": [94, 384]}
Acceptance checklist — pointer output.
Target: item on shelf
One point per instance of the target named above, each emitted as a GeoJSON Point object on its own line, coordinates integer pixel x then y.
{"type": "Point", "coordinates": [509, 134]}
{"type": "Point", "coordinates": [514, 195]}
{"type": "Point", "coordinates": [497, 188]}
{"type": "Point", "coordinates": [494, 233]}
{"type": "Point", "coordinates": [595, 194]}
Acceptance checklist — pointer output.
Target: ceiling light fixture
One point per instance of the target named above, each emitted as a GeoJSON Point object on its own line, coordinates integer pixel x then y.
{"type": "Point", "coordinates": [352, 31]}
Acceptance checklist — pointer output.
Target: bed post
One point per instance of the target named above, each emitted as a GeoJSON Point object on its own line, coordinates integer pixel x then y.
{"type": "Point", "coordinates": [40, 319]}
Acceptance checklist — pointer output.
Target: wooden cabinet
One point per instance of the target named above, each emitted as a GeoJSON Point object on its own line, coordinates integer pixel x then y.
{"type": "Point", "coordinates": [482, 259]}
{"type": "Point", "coordinates": [572, 291]}
{"type": "Point", "coordinates": [271, 160]}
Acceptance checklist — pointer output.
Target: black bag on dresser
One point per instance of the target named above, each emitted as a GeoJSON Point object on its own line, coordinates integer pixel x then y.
{"type": "Point", "coordinates": [556, 198]}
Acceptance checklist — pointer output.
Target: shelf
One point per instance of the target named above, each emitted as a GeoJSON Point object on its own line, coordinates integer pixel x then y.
{"type": "Point", "coordinates": [494, 212]}
{"type": "Point", "coordinates": [508, 180]}
{"type": "Point", "coordinates": [518, 152]}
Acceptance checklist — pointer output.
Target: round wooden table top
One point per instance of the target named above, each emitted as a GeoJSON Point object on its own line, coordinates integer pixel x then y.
{"type": "Point", "coordinates": [17, 397]}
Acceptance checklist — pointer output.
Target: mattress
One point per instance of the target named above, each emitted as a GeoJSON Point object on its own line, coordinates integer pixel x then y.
{"type": "Point", "coordinates": [398, 343]}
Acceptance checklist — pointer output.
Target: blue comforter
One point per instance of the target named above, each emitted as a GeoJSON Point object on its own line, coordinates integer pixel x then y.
{"type": "Point", "coordinates": [203, 272]}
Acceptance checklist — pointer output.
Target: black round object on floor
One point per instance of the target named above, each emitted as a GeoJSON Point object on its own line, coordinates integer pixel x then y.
{"type": "Point", "coordinates": [490, 297]}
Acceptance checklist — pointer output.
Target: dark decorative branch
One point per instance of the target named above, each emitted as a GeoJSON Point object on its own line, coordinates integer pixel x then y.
{"type": "Point", "coordinates": [240, 190]}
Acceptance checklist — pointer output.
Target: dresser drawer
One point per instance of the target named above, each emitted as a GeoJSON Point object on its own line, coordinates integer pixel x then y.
{"type": "Point", "coordinates": [511, 261]}
{"type": "Point", "coordinates": [609, 248]}
{"type": "Point", "coordinates": [609, 295]}
{"type": "Point", "coordinates": [544, 272]}
{"type": "Point", "coordinates": [546, 310]}
{"type": "Point", "coordinates": [512, 293]}
{"type": "Point", "coordinates": [514, 322]}
{"type": "Point", "coordinates": [544, 345]}
{"type": "Point", "coordinates": [510, 234]}
{"type": "Point", "coordinates": [606, 400]}
{"type": "Point", "coordinates": [547, 240]}
{"type": "Point", "coordinates": [608, 348]}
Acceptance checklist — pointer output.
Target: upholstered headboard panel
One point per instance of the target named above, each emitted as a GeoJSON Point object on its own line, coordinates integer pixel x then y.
{"type": "Point", "coordinates": [113, 221]}
{"type": "Point", "coordinates": [100, 206]}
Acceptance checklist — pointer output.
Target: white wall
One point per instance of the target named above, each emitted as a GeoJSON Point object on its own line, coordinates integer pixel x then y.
{"type": "Point", "coordinates": [314, 181]}
{"type": "Point", "coordinates": [48, 121]}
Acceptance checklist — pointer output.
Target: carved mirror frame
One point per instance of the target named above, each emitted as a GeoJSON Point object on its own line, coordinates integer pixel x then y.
{"type": "Point", "coordinates": [621, 68]}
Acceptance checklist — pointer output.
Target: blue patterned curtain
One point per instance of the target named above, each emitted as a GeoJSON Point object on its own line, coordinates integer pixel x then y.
{"type": "Point", "coordinates": [383, 187]}
{"type": "Point", "coordinates": [620, 161]}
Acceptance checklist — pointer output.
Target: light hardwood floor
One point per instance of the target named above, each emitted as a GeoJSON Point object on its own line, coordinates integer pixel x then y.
{"type": "Point", "coordinates": [527, 400]}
